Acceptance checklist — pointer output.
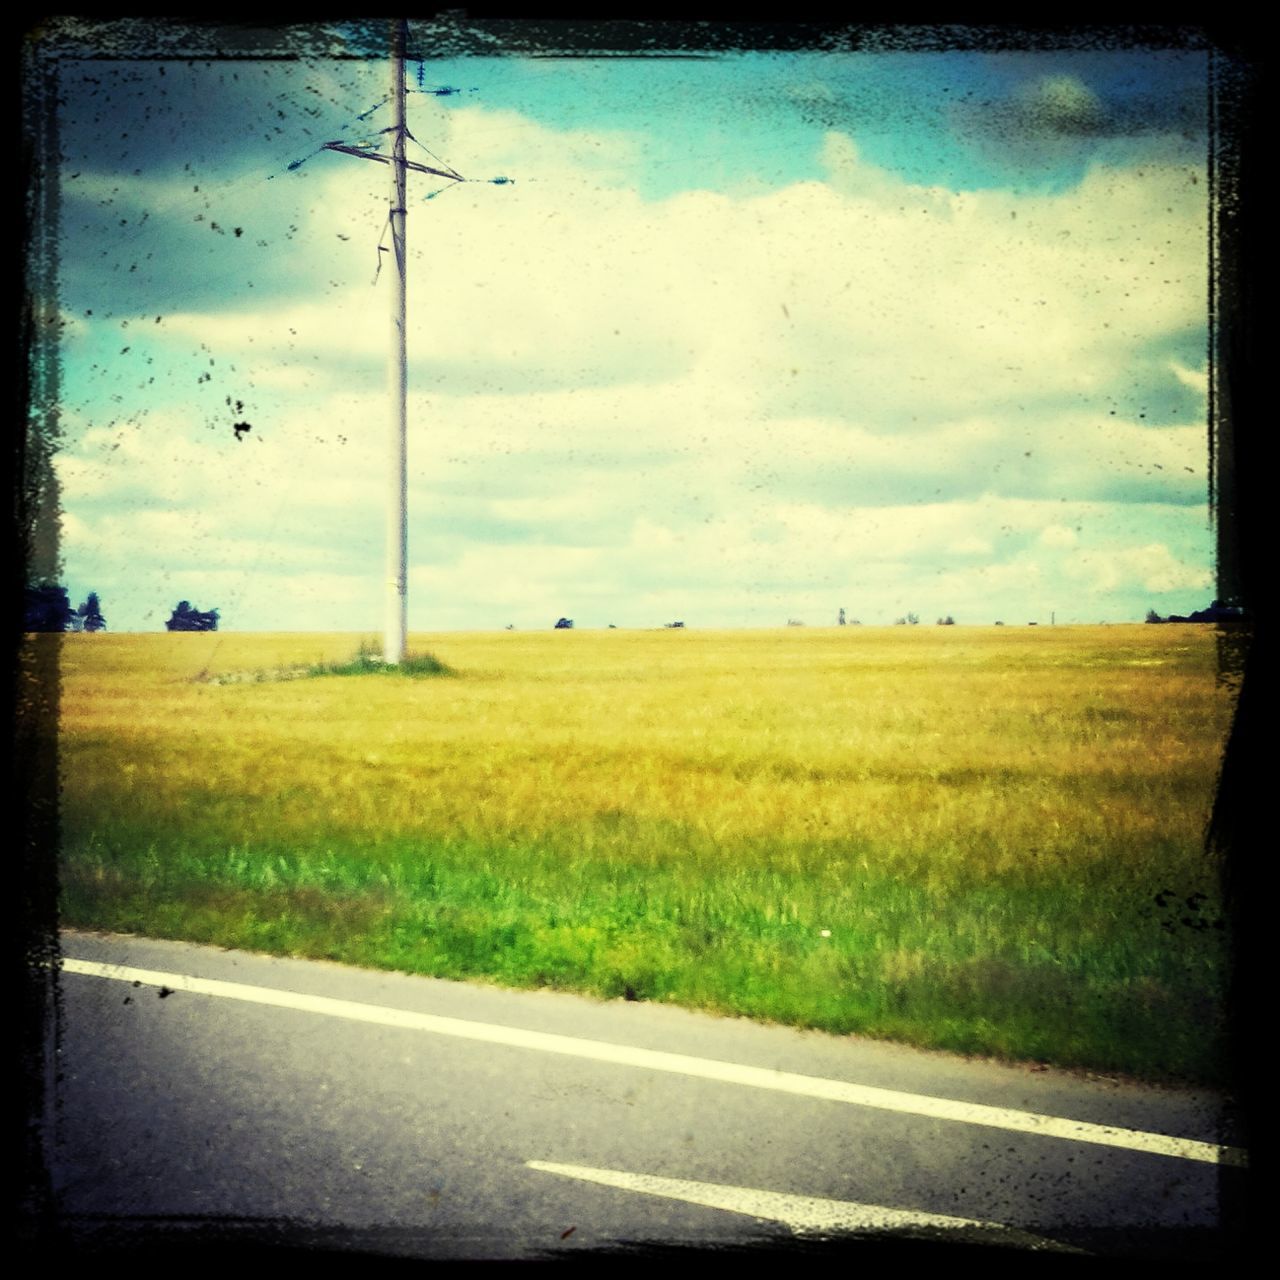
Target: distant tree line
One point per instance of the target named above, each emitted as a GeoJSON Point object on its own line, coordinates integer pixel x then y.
{"type": "Point", "coordinates": [47, 607]}
{"type": "Point", "coordinates": [1216, 612]}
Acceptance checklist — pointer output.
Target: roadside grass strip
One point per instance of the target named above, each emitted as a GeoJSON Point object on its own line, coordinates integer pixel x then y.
{"type": "Point", "coordinates": [682, 1064]}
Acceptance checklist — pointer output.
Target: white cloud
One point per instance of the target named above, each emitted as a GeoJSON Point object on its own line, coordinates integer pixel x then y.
{"type": "Point", "coordinates": [1063, 101]}
{"type": "Point", "coordinates": [1151, 567]}
{"type": "Point", "coordinates": [1196, 379]}
{"type": "Point", "coordinates": [970, 546]}
{"type": "Point", "coordinates": [501, 143]}
{"type": "Point", "coordinates": [1058, 535]}
{"type": "Point", "coordinates": [852, 176]}
{"type": "Point", "coordinates": [862, 298]}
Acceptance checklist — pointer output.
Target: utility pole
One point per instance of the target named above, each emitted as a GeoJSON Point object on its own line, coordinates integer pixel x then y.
{"type": "Point", "coordinates": [397, 621]}
{"type": "Point", "coordinates": [397, 604]}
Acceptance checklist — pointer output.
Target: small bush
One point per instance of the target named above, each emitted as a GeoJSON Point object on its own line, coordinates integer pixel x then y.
{"type": "Point", "coordinates": [369, 661]}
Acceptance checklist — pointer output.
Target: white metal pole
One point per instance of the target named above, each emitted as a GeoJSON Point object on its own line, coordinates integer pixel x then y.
{"type": "Point", "coordinates": [394, 646]}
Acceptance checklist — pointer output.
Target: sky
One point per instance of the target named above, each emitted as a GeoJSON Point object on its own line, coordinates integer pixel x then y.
{"type": "Point", "coordinates": [743, 339]}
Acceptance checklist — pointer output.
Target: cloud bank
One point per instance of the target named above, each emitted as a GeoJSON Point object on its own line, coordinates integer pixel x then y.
{"type": "Point", "coordinates": [733, 406]}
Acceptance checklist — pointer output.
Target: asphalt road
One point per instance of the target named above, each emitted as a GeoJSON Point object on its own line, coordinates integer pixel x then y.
{"type": "Point", "coordinates": [215, 1095]}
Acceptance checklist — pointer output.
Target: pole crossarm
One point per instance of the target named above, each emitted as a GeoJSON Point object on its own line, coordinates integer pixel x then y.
{"type": "Point", "coordinates": [408, 164]}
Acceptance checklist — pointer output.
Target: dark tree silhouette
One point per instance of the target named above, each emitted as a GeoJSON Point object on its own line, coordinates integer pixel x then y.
{"type": "Point", "coordinates": [185, 618]}
{"type": "Point", "coordinates": [46, 608]}
{"type": "Point", "coordinates": [91, 614]}
{"type": "Point", "coordinates": [1216, 612]}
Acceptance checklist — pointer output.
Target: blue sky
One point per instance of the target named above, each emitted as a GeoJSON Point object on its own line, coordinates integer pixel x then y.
{"type": "Point", "coordinates": [747, 338]}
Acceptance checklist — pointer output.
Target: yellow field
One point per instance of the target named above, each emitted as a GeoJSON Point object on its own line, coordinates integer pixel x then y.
{"type": "Point", "coordinates": [784, 734]}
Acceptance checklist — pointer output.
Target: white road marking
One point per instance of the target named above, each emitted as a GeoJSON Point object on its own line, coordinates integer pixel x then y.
{"type": "Point", "coordinates": [804, 1215]}
{"type": "Point", "coordinates": [859, 1095]}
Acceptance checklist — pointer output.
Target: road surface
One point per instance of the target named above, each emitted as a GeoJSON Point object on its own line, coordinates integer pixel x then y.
{"type": "Point", "coordinates": [210, 1094]}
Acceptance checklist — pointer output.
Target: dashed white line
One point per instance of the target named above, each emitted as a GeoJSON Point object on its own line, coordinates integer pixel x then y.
{"type": "Point", "coordinates": [682, 1064]}
{"type": "Point", "coordinates": [804, 1215]}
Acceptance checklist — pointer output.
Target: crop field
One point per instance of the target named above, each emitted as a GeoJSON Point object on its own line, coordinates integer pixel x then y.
{"type": "Point", "coordinates": [988, 840]}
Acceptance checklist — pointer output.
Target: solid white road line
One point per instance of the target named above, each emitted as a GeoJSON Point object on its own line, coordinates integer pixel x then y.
{"type": "Point", "coordinates": [681, 1064]}
{"type": "Point", "coordinates": [804, 1215]}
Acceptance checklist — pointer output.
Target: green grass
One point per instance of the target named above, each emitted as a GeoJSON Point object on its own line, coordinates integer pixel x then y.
{"type": "Point", "coordinates": [369, 661]}
{"type": "Point", "coordinates": [982, 841]}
